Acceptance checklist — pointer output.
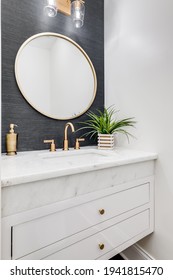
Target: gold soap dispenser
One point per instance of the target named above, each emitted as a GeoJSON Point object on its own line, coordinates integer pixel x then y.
{"type": "Point", "coordinates": [11, 141]}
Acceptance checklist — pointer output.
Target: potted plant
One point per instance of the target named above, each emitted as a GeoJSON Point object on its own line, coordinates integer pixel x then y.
{"type": "Point", "coordinates": [105, 125]}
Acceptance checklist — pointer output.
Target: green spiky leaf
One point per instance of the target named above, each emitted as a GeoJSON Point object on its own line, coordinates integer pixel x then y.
{"type": "Point", "coordinates": [106, 123]}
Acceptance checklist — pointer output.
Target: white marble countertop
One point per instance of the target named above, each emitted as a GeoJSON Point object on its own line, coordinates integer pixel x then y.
{"type": "Point", "coordinates": [40, 165]}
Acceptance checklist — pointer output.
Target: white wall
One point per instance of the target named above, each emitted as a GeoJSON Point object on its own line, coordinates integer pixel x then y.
{"type": "Point", "coordinates": [139, 81]}
{"type": "Point", "coordinates": [0, 124]}
{"type": "Point", "coordinates": [35, 83]}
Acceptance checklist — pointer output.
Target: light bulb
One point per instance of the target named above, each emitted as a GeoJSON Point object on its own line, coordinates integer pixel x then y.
{"type": "Point", "coordinates": [50, 9]}
{"type": "Point", "coordinates": [77, 13]}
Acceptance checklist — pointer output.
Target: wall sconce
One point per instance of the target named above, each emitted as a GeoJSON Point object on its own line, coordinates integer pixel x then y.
{"type": "Point", "coordinates": [50, 8]}
{"type": "Point", "coordinates": [75, 8]}
{"type": "Point", "coordinates": [78, 13]}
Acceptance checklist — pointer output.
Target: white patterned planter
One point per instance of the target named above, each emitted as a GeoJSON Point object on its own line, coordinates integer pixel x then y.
{"type": "Point", "coordinates": [105, 141]}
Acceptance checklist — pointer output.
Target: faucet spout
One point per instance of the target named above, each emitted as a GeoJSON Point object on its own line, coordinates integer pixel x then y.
{"type": "Point", "coordinates": [66, 128]}
{"type": "Point", "coordinates": [65, 145]}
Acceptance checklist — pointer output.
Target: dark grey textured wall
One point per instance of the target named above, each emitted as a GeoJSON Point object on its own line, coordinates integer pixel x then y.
{"type": "Point", "coordinates": [20, 20]}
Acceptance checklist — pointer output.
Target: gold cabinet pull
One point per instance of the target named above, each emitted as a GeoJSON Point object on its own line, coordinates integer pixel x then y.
{"type": "Point", "coordinates": [101, 246]}
{"type": "Point", "coordinates": [102, 211]}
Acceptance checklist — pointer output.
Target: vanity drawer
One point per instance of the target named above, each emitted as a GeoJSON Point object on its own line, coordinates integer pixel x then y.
{"type": "Point", "coordinates": [39, 233]}
{"type": "Point", "coordinates": [101, 243]}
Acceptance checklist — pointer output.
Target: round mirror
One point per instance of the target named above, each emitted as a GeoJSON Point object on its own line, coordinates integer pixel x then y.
{"type": "Point", "coordinates": [55, 76]}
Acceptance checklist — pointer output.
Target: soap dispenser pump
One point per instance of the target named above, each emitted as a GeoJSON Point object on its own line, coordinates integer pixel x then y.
{"type": "Point", "coordinates": [11, 141]}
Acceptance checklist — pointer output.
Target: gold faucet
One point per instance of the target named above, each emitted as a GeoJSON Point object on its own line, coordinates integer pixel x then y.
{"type": "Point", "coordinates": [77, 145]}
{"type": "Point", "coordinates": [52, 144]}
{"type": "Point", "coordinates": [65, 143]}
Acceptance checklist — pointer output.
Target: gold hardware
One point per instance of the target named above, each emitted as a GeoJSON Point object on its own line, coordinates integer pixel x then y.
{"type": "Point", "coordinates": [69, 42]}
{"type": "Point", "coordinates": [101, 246]}
{"type": "Point", "coordinates": [52, 146]}
{"type": "Point", "coordinates": [101, 211]}
{"type": "Point", "coordinates": [64, 7]}
{"type": "Point", "coordinates": [11, 141]}
{"type": "Point", "coordinates": [65, 143]}
{"type": "Point", "coordinates": [77, 145]}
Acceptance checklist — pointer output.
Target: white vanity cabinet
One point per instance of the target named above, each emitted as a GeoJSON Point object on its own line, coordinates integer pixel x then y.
{"type": "Point", "coordinates": [99, 214]}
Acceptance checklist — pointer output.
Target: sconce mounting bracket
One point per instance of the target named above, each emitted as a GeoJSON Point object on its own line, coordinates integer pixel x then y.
{"type": "Point", "coordinates": [64, 6]}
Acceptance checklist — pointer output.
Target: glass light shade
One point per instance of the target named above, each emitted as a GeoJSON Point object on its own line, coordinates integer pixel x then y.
{"type": "Point", "coordinates": [78, 13]}
{"type": "Point", "coordinates": [50, 8]}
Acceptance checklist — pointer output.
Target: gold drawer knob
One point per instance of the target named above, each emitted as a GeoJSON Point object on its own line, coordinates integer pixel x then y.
{"type": "Point", "coordinates": [101, 211]}
{"type": "Point", "coordinates": [101, 246]}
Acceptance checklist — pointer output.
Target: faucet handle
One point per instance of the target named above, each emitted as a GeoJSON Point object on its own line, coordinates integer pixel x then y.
{"type": "Point", "coordinates": [77, 144]}
{"type": "Point", "coordinates": [52, 146]}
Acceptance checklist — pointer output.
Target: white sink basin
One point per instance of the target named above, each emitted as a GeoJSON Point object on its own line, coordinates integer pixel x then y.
{"type": "Point", "coordinates": [73, 157]}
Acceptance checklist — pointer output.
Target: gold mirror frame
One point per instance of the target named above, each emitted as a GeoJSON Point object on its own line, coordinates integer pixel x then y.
{"type": "Point", "coordinates": [74, 44]}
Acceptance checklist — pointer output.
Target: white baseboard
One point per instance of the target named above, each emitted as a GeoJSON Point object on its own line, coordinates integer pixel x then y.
{"type": "Point", "coordinates": [135, 252]}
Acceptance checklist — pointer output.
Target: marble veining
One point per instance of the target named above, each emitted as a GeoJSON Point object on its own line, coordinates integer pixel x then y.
{"type": "Point", "coordinates": [28, 167]}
